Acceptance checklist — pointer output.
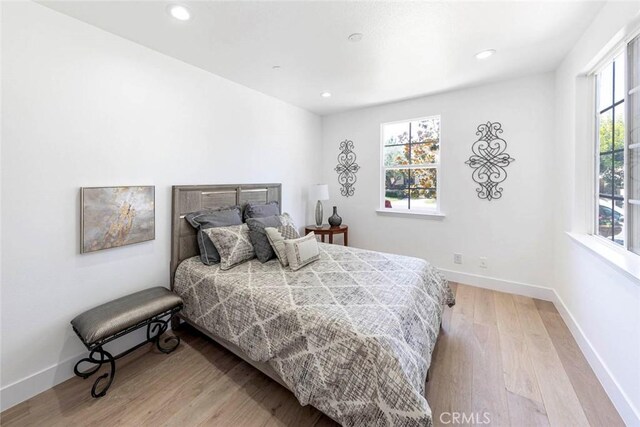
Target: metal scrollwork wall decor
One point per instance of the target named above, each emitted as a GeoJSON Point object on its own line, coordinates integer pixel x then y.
{"type": "Point", "coordinates": [347, 168]}
{"type": "Point", "coordinates": [489, 161]}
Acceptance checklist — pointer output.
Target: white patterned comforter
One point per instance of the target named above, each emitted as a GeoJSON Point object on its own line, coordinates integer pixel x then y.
{"type": "Point", "coordinates": [351, 334]}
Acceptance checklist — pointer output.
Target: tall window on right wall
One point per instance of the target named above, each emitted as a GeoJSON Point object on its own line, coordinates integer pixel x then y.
{"type": "Point", "coordinates": [618, 149]}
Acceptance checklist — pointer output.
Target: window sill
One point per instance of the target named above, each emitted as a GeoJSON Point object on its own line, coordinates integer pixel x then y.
{"type": "Point", "coordinates": [626, 262]}
{"type": "Point", "coordinates": [406, 212]}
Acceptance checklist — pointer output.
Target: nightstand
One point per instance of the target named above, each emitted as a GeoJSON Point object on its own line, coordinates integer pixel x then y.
{"type": "Point", "coordinates": [327, 230]}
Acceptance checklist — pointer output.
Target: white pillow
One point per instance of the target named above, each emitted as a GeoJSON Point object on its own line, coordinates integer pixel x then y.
{"type": "Point", "coordinates": [302, 251]}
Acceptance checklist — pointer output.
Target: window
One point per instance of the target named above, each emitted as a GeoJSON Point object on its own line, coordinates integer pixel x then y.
{"type": "Point", "coordinates": [610, 192]}
{"type": "Point", "coordinates": [633, 145]}
{"type": "Point", "coordinates": [411, 165]}
{"type": "Point", "coordinates": [618, 150]}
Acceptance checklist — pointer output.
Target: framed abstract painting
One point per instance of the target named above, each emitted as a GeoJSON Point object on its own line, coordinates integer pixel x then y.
{"type": "Point", "coordinates": [116, 216]}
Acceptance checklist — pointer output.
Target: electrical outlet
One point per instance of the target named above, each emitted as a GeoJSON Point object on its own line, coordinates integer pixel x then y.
{"type": "Point", "coordinates": [457, 258]}
{"type": "Point", "coordinates": [483, 262]}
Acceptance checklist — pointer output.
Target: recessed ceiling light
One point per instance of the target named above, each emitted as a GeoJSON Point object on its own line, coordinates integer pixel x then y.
{"type": "Point", "coordinates": [326, 94]}
{"type": "Point", "coordinates": [355, 37]}
{"type": "Point", "coordinates": [179, 12]}
{"type": "Point", "coordinates": [485, 54]}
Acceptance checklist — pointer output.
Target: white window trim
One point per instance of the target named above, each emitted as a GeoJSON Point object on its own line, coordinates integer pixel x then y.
{"type": "Point", "coordinates": [408, 212]}
{"type": "Point", "coordinates": [615, 255]}
{"type": "Point", "coordinates": [437, 212]}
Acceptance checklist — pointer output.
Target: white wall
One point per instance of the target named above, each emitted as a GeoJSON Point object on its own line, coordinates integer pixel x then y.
{"type": "Point", "coordinates": [82, 107]}
{"type": "Point", "coordinates": [514, 232]}
{"type": "Point", "coordinates": [604, 303]}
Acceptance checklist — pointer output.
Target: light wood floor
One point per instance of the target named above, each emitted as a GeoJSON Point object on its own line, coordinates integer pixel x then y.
{"type": "Point", "coordinates": [510, 356]}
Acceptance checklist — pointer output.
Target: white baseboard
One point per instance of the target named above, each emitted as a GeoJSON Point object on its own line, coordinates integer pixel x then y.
{"type": "Point", "coordinates": [26, 388]}
{"type": "Point", "coordinates": [486, 282]}
{"type": "Point", "coordinates": [629, 413]}
{"type": "Point", "coordinates": [626, 409]}
{"type": "Point", "coordinates": [35, 384]}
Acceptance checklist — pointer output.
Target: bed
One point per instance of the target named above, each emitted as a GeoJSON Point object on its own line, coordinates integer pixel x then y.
{"type": "Point", "coordinates": [351, 334]}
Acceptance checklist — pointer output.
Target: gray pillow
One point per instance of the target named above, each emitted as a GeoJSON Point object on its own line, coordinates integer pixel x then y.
{"type": "Point", "coordinates": [258, 236]}
{"type": "Point", "coordinates": [233, 244]}
{"type": "Point", "coordinates": [261, 210]}
{"type": "Point", "coordinates": [211, 218]}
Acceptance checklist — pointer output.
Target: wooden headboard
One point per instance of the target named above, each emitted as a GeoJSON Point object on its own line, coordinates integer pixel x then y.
{"type": "Point", "coordinates": [191, 198]}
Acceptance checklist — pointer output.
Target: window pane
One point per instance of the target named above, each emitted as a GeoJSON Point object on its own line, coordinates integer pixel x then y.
{"type": "Point", "coordinates": [395, 133]}
{"type": "Point", "coordinates": [423, 178]}
{"type": "Point", "coordinates": [426, 130]}
{"type": "Point", "coordinates": [606, 174]}
{"type": "Point", "coordinates": [619, 76]}
{"type": "Point", "coordinates": [618, 174]}
{"type": "Point", "coordinates": [634, 174]}
{"type": "Point", "coordinates": [605, 134]}
{"type": "Point", "coordinates": [396, 155]}
{"type": "Point", "coordinates": [633, 194]}
{"type": "Point", "coordinates": [423, 198]}
{"type": "Point", "coordinates": [396, 199]}
{"type": "Point", "coordinates": [619, 232]}
{"type": "Point", "coordinates": [634, 120]}
{"type": "Point", "coordinates": [424, 153]}
{"type": "Point", "coordinates": [605, 88]}
{"type": "Point", "coordinates": [609, 224]}
{"type": "Point", "coordinates": [634, 227]}
{"type": "Point", "coordinates": [618, 128]}
{"type": "Point", "coordinates": [396, 179]}
{"type": "Point", "coordinates": [632, 222]}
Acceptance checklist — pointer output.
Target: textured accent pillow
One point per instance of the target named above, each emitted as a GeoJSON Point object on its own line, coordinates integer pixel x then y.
{"type": "Point", "coordinates": [302, 251]}
{"type": "Point", "coordinates": [261, 210]}
{"type": "Point", "coordinates": [232, 243]}
{"type": "Point", "coordinates": [277, 236]}
{"type": "Point", "coordinates": [258, 236]}
{"type": "Point", "coordinates": [286, 219]}
{"type": "Point", "coordinates": [210, 218]}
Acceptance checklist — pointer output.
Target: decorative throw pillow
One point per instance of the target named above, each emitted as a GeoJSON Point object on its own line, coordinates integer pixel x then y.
{"type": "Point", "coordinates": [286, 219]}
{"type": "Point", "coordinates": [258, 236]}
{"type": "Point", "coordinates": [277, 236]}
{"type": "Point", "coordinates": [232, 243]}
{"type": "Point", "coordinates": [302, 251]}
{"type": "Point", "coordinates": [261, 210]}
{"type": "Point", "coordinates": [210, 218]}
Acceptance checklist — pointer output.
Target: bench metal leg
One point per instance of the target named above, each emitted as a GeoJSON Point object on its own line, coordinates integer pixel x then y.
{"type": "Point", "coordinates": [175, 322]}
{"type": "Point", "coordinates": [105, 357]}
{"type": "Point", "coordinates": [159, 327]}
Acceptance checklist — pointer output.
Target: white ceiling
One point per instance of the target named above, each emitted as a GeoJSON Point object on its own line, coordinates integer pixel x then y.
{"type": "Point", "coordinates": [409, 48]}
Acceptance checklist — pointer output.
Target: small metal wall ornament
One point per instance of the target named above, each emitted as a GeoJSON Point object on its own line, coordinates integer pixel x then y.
{"type": "Point", "coordinates": [489, 161]}
{"type": "Point", "coordinates": [347, 168]}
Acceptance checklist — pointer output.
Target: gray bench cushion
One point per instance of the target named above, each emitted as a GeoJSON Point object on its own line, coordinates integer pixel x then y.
{"type": "Point", "coordinates": [110, 318]}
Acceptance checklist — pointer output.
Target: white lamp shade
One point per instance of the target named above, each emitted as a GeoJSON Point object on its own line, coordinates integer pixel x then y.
{"type": "Point", "coordinates": [319, 192]}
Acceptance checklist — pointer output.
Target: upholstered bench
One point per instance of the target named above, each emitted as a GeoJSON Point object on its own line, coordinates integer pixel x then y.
{"type": "Point", "coordinates": [153, 308]}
